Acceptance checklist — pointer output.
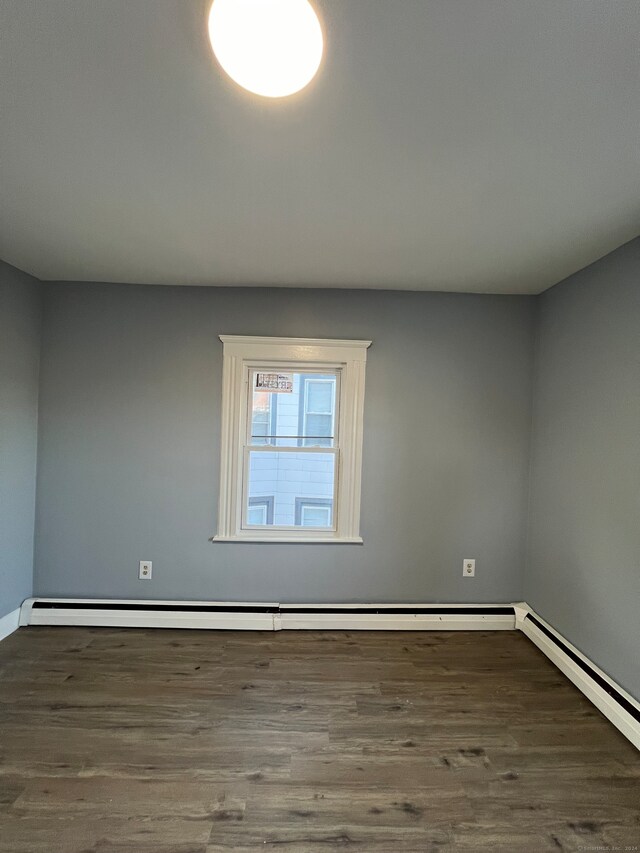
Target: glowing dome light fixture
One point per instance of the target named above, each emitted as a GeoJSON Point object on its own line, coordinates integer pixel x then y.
{"type": "Point", "coordinates": [270, 47]}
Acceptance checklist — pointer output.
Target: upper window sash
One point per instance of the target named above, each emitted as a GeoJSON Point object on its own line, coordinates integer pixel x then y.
{"type": "Point", "coordinates": [297, 435]}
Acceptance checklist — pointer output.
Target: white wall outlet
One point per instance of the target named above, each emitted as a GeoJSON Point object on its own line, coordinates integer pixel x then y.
{"type": "Point", "coordinates": [468, 568]}
{"type": "Point", "coordinates": [144, 570]}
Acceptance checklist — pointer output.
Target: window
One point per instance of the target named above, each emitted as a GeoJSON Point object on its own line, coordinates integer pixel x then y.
{"type": "Point", "coordinates": [313, 512]}
{"type": "Point", "coordinates": [265, 409]}
{"type": "Point", "coordinates": [291, 440]}
{"type": "Point", "coordinates": [317, 409]}
{"type": "Point", "coordinates": [260, 510]}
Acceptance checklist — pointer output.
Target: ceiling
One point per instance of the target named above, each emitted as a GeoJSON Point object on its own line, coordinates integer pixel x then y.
{"type": "Point", "coordinates": [476, 145]}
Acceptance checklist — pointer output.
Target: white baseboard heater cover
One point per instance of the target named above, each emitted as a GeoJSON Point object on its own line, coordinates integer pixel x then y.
{"type": "Point", "coordinates": [609, 697]}
{"type": "Point", "coordinates": [398, 617]}
{"type": "Point", "coordinates": [230, 615]}
{"type": "Point", "coordinates": [270, 616]}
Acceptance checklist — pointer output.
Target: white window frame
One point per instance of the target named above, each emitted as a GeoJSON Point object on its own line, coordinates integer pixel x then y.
{"type": "Point", "coordinates": [240, 355]}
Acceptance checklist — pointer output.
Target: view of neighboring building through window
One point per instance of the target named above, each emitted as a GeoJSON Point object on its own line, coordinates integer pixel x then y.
{"type": "Point", "coordinates": [314, 512]}
{"type": "Point", "coordinates": [317, 404]}
{"type": "Point", "coordinates": [264, 411]}
{"type": "Point", "coordinates": [299, 477]}
{"type": "Point", "coordinates": [260, 510]}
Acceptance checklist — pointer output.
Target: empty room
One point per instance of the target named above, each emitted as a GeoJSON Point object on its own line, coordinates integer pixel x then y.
{"type": "Point", "coordinates": [319, 426]}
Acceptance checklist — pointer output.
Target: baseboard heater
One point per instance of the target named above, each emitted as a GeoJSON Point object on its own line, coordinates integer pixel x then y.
{"type": "Point", "coordinates": [608, 696]}
{"type": "Point", "coordinates": [410, 617]}
{"type": "Point", "coordinates": [268, 616]}
{"type": "Point", "coordinates": [608, 688]}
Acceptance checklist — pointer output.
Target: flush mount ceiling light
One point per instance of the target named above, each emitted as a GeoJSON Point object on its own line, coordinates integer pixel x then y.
{"type": "Point", "coordinates": [270, 47]}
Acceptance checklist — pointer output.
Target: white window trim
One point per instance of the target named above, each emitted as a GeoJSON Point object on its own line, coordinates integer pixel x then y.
{"type": "Point", "coordinates": [240, 351]}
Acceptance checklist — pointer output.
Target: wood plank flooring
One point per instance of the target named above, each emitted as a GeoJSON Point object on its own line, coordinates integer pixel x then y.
{"type": "Point", "coordinates": [142, 741]}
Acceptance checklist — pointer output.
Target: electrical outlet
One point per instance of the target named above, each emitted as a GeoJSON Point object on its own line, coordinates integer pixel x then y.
{"type": "Point", "coordinates": [468, 568]}
{"type": "Point", "coordinates": [144, 570]}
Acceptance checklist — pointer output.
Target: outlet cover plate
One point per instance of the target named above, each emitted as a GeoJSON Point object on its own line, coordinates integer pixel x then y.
{"type": "Point", "coordinates": [468, 567]}
{"type": "Point", "coordinates": [145, 568]}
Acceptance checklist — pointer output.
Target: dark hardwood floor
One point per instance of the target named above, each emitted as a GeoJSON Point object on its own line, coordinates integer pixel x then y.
{"type": "Point", "coordinates": [142, 741]}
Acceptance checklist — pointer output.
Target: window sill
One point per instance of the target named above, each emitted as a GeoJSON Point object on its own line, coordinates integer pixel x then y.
{"type": "Point", "coordinates": [356, 540]}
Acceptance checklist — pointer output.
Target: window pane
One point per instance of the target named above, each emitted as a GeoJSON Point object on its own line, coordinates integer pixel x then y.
{"type": "Point", "coordinates": [292, 478]}
{"type": "Point", "coordinates": [302, 416]}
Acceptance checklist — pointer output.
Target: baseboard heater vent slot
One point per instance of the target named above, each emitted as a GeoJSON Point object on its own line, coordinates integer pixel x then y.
{"type": "Point", "coordinates": [152, 607]}
{"type": "Point", "coordinates": [405, 610]}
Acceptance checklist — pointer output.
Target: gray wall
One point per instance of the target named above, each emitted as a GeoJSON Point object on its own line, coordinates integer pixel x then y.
{"type": "Point", "coordinates": [130, 427]}
{"type": "Point", "coordinates": [583, 572]}
{"type": "Point", "coordinates": [19, 359]}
